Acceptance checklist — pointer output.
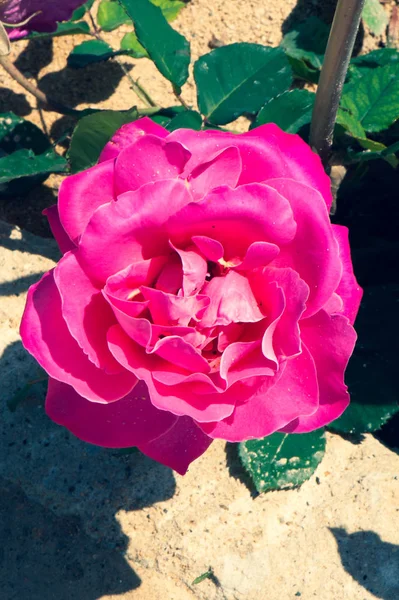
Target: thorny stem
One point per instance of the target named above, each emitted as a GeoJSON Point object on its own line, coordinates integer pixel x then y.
{"type": "Point", "coordinates": [332, 77]}
{"type": "Point", "coordinates": [47, 102]}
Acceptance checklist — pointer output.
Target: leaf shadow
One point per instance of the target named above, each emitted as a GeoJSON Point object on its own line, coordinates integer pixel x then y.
{"type": "Point", "coordinates": [237, 470]}
{"type": "Point", "coordinates": [373, 563]}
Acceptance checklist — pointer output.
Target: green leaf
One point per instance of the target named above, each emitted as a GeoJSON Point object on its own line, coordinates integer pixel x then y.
{"type": "Point", "coordinates": [307, 42]}
{"type": "Point", "coordinates": [87, 53]}
{"type": "Point", "coordinates": [68, 28]}
{"type": "Point", "coordinates": [189, 119]}
{"type": "Point", "coordinates": [304, 71]}
{"type": "Point", "coordinates": [350, 123]}
{"type": "Point", "coordinates": [24, 163]}
{"type": "Point", "coordinates": [375, 16]}
{"type": "Point", "coordinates": [130, 44]}
{"type": "Point", "coordinates": [374, 99]}
{"type": "Point", "coordinates": [371, 375]}
{"type": "Point", "coordinates": [16, 134]}
{"type": "Point", "coordinates": [170, 8]}
{"type": "Point", "coordinates": [290, 111]}
{"type": "Point", "coordinates": [169, 50]}
{"type": "Point", "coordinates": [92, 133]}
{"type": "Point", "coordinates": [207, 575]}
{"type": "Point", "coordinates": [80, 12]}
{"type": "Point", "coordinates": [111, 15]}
{"type": "Point", "coordinates": [282, 461]}
{"type": "Point", "coordinates": [239, 78]}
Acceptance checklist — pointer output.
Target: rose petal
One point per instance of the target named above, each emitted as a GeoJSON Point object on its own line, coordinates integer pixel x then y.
{"type": "Point", "coordinates": [131, 421]}
{"type": "Point", "coordinates": [266, 152]}
{"type": "Point", "coordinates": [149, 159]}
{"type": "Point", "coordinates": [171, 310]}
{"type": "Point", "coordinates": [129, 134]}
{"type": "Point", "coordinates": [224, 168]}
{"type": "Point", "coordinates": [314, 251]}
{"type": "Point", "coordinates": [231, 301]}
{"type": "Point", "coordinates": [86, 312]}
{"type": "Point", "coordinates": [330, 340]}
{"type": "Point", "coordinates": [277, 402]}
{"type": "Point", "coordinates": [45, 335]}
{"type": "Point", "coordinates": [62, 238]}
{"type": "Point", "coordinates": [179, 446]}
{"type": "Point", "coordinates": [134, 228]}
{"type": "Point", "coordinates": [348, 289]}
{"type": "Point", "coordinates": [192, 398]}
{"type": "Point", "coordinates": [256, 211]}
{"type": "Point", "coordinates": [194, 269]}
{"type": "Point", "coordinates": [81, 194]}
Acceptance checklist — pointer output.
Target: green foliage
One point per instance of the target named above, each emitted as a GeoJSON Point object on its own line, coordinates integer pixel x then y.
{"type": "Point", "coordinates": [130, 44]}
{"type": "Point", "coordinates": [92, 133]}
{"type": "Point", "coordinates": [111, 15]}
{"type": "Point", "coordinates": [87, 53]}
{"type": "Point", "coordinates": [68, 28]}
{"type": "Point", "coordinates": [371, 374]}
{"type": "Point", "coordinates": [25, 163]}
{"type": "Point", "coordinates": [375, 16]}
{"type": "Point", "coordinates": [290, 111]}
{"type": "Point", "coordinates": [26, 156]}
{"type": "Point", "coordinates": [239, 78]}
{"type": "Point", "coordinates": [170, 8]}
{"type": "Point", "coordinates": [80, 12]}
{"type": "Point", "coordinates": [373, 100]}
{"type": "Point", "coordinates": [305, 46]}
{"type": "Point", "coordinates": [188, 119]}
{"type": "Point", "coordinates": [169, 50]}
{"type": "Point", "coordinates": [282, 461]}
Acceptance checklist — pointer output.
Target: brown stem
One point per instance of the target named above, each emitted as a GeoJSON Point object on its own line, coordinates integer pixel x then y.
{"type": "Point", "coordinates": [48, 103]}
{"type": "Point", "coordinates": [332, 77]}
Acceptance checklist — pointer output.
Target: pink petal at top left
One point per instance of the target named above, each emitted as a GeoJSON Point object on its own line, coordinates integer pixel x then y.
{"type": "Point", "coordinates": [81, 194]}
{"type": "Point", "coordinates": [129, 134]}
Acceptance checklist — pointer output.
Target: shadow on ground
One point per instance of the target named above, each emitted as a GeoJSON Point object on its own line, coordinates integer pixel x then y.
{"type": "Point", "coordinates": [59, 537]}
{"type": "Point", "coordinates": [374, 564]}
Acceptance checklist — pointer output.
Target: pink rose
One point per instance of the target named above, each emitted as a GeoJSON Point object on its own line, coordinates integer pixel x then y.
{"type": "Point", "coordinates": [203, 265]}
{"type": "Point", "coordinates": [16, 11]}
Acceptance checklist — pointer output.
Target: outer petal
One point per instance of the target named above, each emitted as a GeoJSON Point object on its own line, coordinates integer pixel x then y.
{"type": "Point", "coordinates": [62, 238]}
{"type": "Point", "coordinates": [314, 251]}
{"type": "Point", "coordinates": [129, 134]}
{"type": "Point", "coordinates": [330, 340]}
{"type": "Point", "coordinates": [266, 152]}
{"type": "Point", "coordinates": [86, 312]}
{"type": "Point", "coordinates": [134, 228]}
{"type": "Point", "coordinates": [348, 289]}
{"type": "Point", "coordinates": [179, 446]}
{"type": "Point", "coordinates": [149, 159]}
{"type": "Point", "coordinates": [131, 421]}
{"type": "Point", "coordinates": [45, 335]}
{"type": "Point", "coordinates": [272, 406]}
{"type": "Point", "coordinates": [81, 194]}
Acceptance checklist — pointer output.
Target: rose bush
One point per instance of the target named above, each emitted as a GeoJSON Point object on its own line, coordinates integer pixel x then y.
{"type": "Point", "coordinates": [203, 293]}
{"type": "Point", "coordinates": [50, 12]}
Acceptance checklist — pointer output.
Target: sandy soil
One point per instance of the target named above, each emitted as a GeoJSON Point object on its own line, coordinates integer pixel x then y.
{"type": "Point", "coordinates": [87, 523]}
